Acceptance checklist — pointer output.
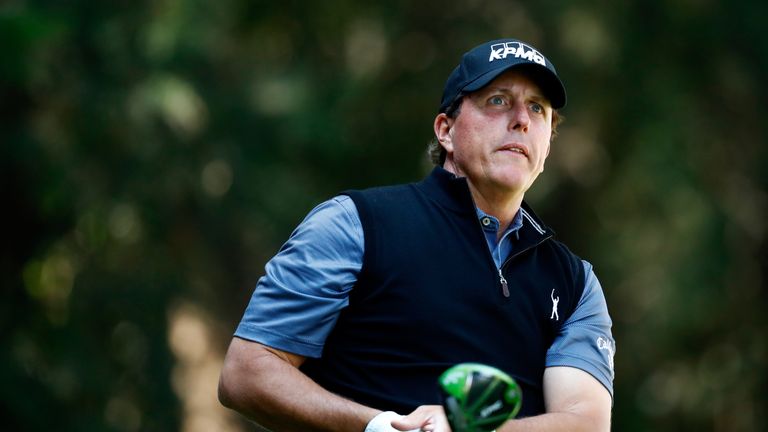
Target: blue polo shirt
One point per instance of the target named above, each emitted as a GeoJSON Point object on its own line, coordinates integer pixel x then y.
{"type": "Point", "coordinates": [306, 285]}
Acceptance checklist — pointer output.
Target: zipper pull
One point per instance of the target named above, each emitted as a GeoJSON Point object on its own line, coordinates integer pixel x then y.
{"type": "Point", "coordinates": [504, 287]}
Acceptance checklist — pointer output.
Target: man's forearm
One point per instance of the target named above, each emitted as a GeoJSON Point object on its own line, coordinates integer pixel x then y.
{"type": "Point", "coordinates": [575, 401]}
{"type": "Point", "coordinates": [554, 422]}
{"type": "Point", "coordinates": [275, 394]}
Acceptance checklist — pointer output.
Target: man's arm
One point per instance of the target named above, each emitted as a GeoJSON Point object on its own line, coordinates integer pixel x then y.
{"type": "Point", "coordinates": [294, 307]}
{"type": "Point", "coordinates": [575, 401]}
{"type": "Point", "coordinates": [265, 385]}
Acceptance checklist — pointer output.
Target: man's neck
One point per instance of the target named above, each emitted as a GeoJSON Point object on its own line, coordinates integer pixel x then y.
{"type": "Point", "coordinates": [501, 204]}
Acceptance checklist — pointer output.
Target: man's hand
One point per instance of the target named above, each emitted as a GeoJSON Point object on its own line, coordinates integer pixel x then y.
{"type": "Point", "coordinates": [428, 418]}
{"type": "Point", "coordinates": [383, 423]}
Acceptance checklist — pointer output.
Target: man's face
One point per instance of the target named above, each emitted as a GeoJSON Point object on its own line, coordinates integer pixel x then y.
{"type": "Point", "coordinates": [500, 139]}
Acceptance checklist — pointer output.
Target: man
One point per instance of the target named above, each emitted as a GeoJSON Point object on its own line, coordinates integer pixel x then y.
{"type": "Point", "coordinates": [377, 292]}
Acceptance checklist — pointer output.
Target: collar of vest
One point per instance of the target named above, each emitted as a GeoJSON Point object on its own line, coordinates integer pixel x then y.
{"type": "Point", "coordinates": [453, 193]}
{"type": "Point", "coordinates": [449, 190]}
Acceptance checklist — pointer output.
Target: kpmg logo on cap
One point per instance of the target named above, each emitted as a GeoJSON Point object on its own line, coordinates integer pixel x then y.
{"type": "Point", "coordinates": [518, 49]}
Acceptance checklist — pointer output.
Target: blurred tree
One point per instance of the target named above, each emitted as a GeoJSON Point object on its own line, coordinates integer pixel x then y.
{"type": "Point", "coordinates": [156, 154]}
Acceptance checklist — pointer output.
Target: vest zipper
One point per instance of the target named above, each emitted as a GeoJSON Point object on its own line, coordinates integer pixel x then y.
{"type": "Point", "coordinates": [504, 286]}
{"type": "Point", "coordinates": [502, 280]}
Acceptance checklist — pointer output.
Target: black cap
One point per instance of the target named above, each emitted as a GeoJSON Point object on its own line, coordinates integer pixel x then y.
{"type": "Point", "coordinates": [483, 63]}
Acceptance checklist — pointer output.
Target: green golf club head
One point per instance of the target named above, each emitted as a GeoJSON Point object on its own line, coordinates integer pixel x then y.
{"type": "Point", "coordinates": [478, 398]}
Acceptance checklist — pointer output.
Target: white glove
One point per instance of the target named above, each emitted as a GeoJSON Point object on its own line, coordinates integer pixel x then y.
{"type": "Point", "coordinates": [383, 423]}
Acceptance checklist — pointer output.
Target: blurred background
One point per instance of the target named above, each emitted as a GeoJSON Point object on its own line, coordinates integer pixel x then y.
{"type": "Point", "coordinates": [155, 154]}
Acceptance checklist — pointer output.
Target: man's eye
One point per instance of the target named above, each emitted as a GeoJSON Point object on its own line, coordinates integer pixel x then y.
{"type": "Point", "coordinates": [497, 100]}
{"type": "Point", "coordinates": [537, 108]}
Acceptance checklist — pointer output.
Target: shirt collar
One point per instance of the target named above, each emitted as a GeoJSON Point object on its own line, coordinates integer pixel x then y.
{"type": "Point", "coordinates": [453, 193]}
{"type": "Point", "coordinates": [491, 222]}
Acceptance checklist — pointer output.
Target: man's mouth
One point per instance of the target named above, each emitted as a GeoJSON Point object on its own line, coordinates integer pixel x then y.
{"type": "Point", "coordinates": [515, 148]}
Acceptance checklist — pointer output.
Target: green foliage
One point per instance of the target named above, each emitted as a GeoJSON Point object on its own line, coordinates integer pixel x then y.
{"type": "Point", "coordinates": [156, 154]}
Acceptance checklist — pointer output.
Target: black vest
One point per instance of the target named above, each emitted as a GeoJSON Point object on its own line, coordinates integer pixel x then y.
{"type": "Point", "coordinates": [429, 296]}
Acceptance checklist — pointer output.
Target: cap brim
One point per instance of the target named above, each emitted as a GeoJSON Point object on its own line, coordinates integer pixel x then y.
{"type": "Point", "coordinates": [549, 83]}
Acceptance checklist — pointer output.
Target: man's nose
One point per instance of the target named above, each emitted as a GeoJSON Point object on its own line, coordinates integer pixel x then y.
{"type": "Point", "coordinates": [520, 119]}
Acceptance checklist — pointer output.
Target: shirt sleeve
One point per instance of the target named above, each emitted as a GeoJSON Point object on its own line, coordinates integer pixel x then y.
{"type": "Point", "coordinates": [585, 340]}
{"type": "Point", "coordinates": [296, 303]}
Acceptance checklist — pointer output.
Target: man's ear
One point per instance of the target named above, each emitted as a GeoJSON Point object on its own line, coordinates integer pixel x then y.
{"type": "Point", "coordinates": [442, 126]}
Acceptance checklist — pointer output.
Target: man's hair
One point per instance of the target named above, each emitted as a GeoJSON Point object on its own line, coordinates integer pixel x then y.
{"type": "Point", "coordinates": [437, 153]}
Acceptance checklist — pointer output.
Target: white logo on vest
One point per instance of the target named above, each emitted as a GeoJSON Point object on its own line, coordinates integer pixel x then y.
{"type": "Point", "coordinates": [555, 301]}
